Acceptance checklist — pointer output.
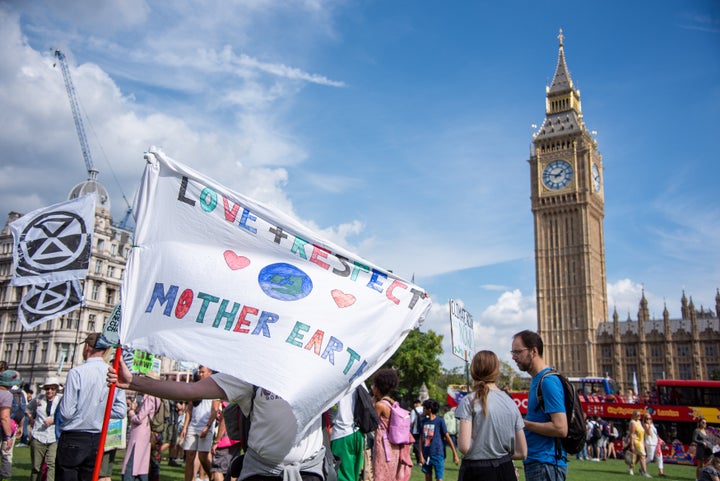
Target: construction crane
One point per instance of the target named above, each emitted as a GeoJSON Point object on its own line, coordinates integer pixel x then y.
{"type": "Point", "coordinates": [92, 171]}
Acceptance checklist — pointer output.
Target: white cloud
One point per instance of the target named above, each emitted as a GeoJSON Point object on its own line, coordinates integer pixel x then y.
{"type": "Point", "coordinates": [624, 296]}
{"type": "Point", "coordinates": [41, 153]}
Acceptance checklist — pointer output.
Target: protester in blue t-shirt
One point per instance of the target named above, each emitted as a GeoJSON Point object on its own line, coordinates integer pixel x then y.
{"type": "Point", "coordinates": [432, 434]}
{"type": "Point", "coordinates": [546, 460]}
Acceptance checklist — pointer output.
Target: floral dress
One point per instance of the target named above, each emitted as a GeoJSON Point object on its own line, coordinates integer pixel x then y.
{"type": "Point", "coordinates": [391, 462]}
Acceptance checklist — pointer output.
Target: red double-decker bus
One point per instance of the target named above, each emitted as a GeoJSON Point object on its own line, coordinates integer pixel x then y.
{"type": "Point", "coordinates": [676, 407]}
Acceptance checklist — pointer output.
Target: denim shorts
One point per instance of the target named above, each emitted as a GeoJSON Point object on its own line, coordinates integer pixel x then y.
{"type": "Point", "coordinates": [535, 471]}
{"type": "Point", "coordinates": [437, 462]}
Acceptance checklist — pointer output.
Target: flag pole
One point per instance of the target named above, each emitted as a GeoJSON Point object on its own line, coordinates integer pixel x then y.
{"type": "Point", "coordinates": [106, 419]}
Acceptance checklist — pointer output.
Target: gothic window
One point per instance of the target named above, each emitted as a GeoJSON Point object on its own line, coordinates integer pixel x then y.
{"type": "Point", "coordinates": [630, 350]}
{"type": "Point", "coordinates": [658, 371]}
{"type": "Point", "coordinates": [608, 370]}
{"type": "Point", "coordinates": [606, 352]}
{"type": "Point", "coordinates": [656, 351]}
{"type": "Point", "coordinates": [630, 370]}
{"type": "Point", "coordinates": [711, 350]}
{"type": "Point", "coordinates": [683, 350]}
{"type": "Point", "coordinates": [685, 371]}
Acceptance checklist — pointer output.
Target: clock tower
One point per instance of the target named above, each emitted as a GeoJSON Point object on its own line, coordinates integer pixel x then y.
{"type": "Point", "coordinates": [567, 190]}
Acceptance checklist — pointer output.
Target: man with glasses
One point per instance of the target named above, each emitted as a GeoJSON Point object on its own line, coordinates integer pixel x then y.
{"type": "Point", "coordinates": [546, 460]}
{"type": "Point", "coordinates": [43, 445]}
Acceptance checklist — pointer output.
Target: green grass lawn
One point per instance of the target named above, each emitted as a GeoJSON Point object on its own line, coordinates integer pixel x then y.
{"type": "Point", "coordinates": [612, 470]}
{"type": "Point", "coordinates": [21, 467]}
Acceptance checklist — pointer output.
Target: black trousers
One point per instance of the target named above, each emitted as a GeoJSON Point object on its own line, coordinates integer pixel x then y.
{"type": "Point", "coordinates": [76, 453]}
{"type": "Point", "coordinates": [495, 470]}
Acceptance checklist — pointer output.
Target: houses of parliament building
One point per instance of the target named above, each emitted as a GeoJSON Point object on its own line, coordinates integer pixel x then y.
{"type": "Point", "coordinates": [567, 200]}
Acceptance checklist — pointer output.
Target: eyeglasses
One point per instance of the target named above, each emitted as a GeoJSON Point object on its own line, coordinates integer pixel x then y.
{"type": "Point", "coordinates": [517, 352]}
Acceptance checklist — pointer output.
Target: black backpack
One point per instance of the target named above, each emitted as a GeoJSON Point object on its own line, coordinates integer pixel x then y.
{"type": "Point", "coordinates": [237, 423]}
{"type": "Point", "coordinates": [575, 440]}
{"type": "Point", "coordinates": [366, 418]}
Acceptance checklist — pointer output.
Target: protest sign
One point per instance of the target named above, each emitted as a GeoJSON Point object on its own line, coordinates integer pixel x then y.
{"type": "Point", "coordinates": [461, 330]}
{"type": "Point", "coordinates": [222, 280]}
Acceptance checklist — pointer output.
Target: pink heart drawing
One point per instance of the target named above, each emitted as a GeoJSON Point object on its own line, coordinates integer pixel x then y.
{"type": "Point", "coordinates": [235, 261]}
{"type": "Point", "coordinates": [342, 299]}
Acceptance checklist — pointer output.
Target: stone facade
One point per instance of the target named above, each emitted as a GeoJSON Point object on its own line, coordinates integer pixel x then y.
{"type": "Point", "coordinates": [651, 349]}
{"type": "Point", "coordinates": [567, 196]}
{"type": "Point", "coordinates": [54, 347]}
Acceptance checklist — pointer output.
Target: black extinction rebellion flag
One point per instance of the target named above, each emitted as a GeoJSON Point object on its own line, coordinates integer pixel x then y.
{"type": "Point", "coordinates": [51, 253]}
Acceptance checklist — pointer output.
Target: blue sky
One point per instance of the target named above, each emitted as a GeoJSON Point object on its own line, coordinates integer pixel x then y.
{"type": "Point", "coordinates": [400, 129]}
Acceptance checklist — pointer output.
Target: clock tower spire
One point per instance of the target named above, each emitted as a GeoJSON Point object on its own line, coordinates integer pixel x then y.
{"type": "Point", "coordinates": [568, 210]}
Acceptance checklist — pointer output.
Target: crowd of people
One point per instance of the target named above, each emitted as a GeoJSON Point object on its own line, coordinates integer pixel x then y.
{"type": "Point", "coordinates": [182, 423]}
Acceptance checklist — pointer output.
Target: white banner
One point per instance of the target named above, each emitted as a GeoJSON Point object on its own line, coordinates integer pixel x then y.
{"type": "Point", "coordinates": [222, 280]}
{"type": "Point", "coordinates": [52, 244]}
{"type": "Point", "coordinates": [48, 301]}
{"type": "Point", "coordinates": [461, 331]}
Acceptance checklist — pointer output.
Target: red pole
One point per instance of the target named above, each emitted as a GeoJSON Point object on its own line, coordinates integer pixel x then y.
{"type": "Point", "coordinates": [106, 420]}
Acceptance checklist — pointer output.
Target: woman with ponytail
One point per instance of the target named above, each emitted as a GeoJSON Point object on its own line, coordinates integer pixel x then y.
{"type": "Point", "coordinates": [491, 428]}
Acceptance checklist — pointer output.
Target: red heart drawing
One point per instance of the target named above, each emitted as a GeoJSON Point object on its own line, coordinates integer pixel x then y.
{"type": "Point", "coordinates": [235, 261]}
{"type": "Point", "coordinates": [342, 299]}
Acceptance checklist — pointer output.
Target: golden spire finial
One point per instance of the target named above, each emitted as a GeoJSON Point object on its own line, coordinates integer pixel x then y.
{"type": "Point", "coordinates": [561, 37]}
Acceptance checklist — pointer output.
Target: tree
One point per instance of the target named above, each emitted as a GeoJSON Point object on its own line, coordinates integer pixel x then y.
{"type": "Point", "coordinates": [455, 375]}
{"type": "Point", "coordinates": [417, 361]}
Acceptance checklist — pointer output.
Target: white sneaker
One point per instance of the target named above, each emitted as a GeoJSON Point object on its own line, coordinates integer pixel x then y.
{"type": "Point", "coordinates": [646, 474]}
{"type": "Point", "coordinates": [630, 471]}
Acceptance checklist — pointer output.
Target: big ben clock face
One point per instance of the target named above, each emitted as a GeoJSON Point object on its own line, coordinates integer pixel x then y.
{"type": "Point", "coordinates": [557, 175]}
{"type": "Point", "coordinates": [596, 178]}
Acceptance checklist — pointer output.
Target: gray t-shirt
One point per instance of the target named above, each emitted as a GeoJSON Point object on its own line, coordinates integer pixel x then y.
{"type": "Point", "coordinates": [493, 433]}
{"type": "Point", "coordinates": [272, 434]}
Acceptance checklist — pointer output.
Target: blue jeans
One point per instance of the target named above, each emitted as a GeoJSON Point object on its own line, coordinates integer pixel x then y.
{"type": "Point", "coordinates": [544, 472]}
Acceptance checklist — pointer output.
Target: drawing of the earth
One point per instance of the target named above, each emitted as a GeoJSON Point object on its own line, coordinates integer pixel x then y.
{"type": "Point", "coordinates": [284, 282]}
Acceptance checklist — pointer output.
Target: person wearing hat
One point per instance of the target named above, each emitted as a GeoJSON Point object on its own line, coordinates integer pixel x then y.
{"type": "Point", "coordinates": [82, 409]}
{"type": "Point", "coordinates": [43, 445]}
{"type": "Point", "coordinates": [8, 379]}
